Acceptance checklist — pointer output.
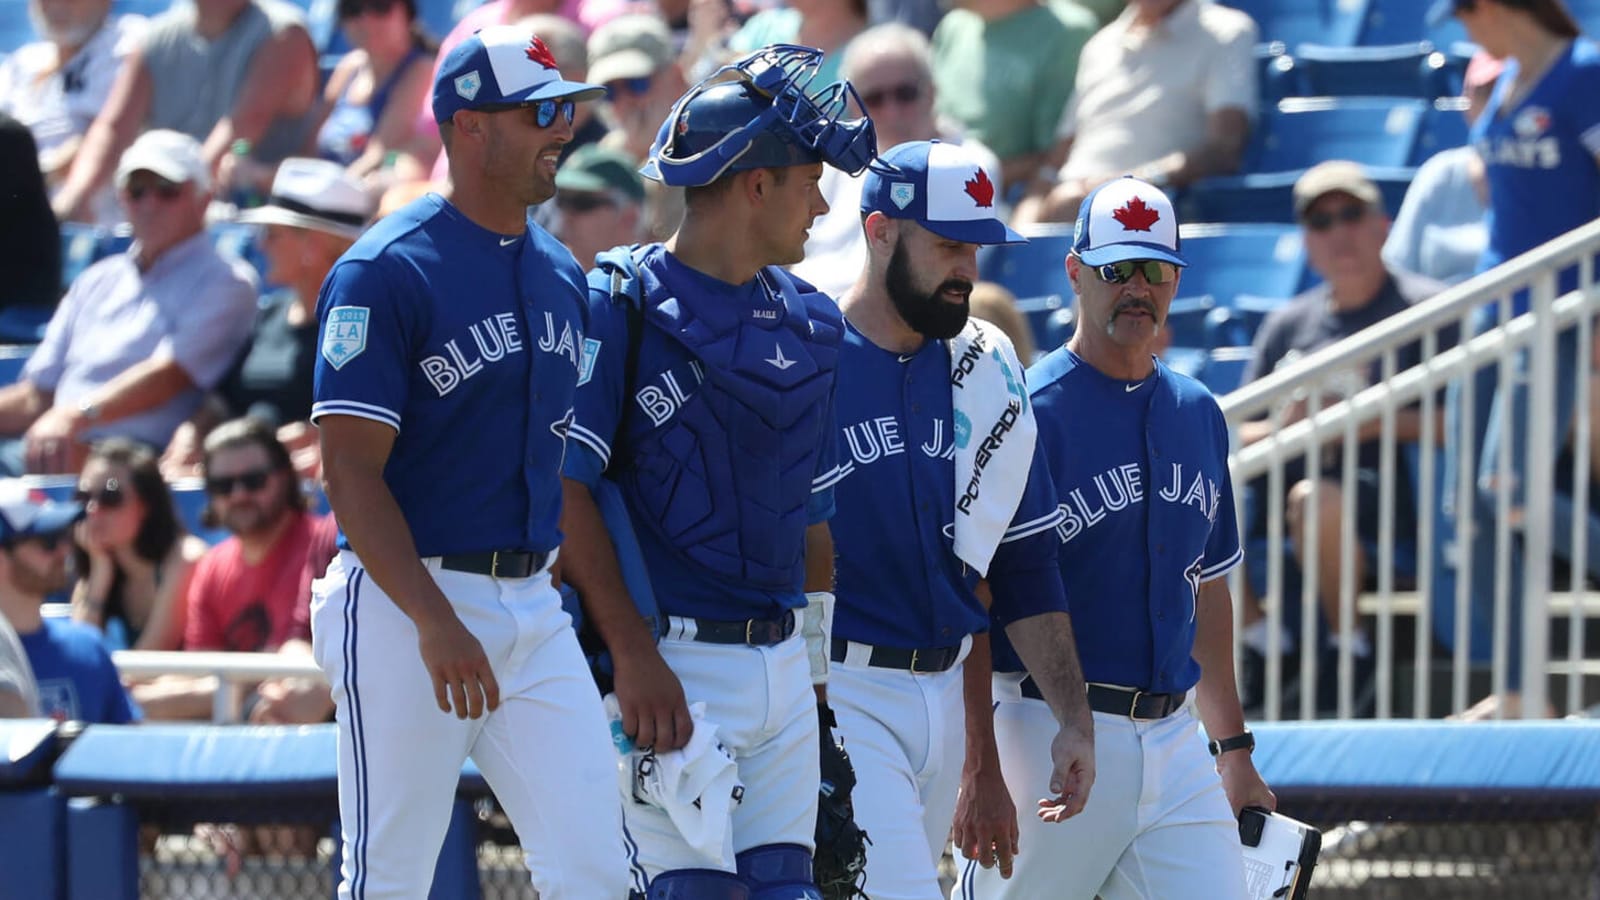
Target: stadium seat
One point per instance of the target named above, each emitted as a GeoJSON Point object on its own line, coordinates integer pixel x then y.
{"type": "Point", "coordinates": [12, 358]}
{"type": "Point", "coordinates": [1269, 197]}
{"type": "Point", "coordinates": [1399, 70]}
{"type": "Point", "coordinates": [1302, 132]}
{"type": "Point", "coordinates": [1050, 319]}
{"type": "Point", "coordinates": [1296, 22]}
{"type": "Point", "coordinates": [1223, 369]}
{"type": "Point", "coordinates": [141, 7]}
{"type": "Point", "coordinates": [1274, 73]}
{"type": "Point", "coordinates": [241, 241]}
{"type": "Point", "coordinates": [83, 245]}
{"type": "Point", "coordinates": [1226, 261]}
{"type": "Point", "coordinates": [1034, 269]}
{"type": "Point", "coordinates": [189, 498]}
{"type": "Point", "coordinates": [1443, 126]}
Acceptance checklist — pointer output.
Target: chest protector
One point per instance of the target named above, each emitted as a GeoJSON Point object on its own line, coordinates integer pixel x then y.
{"type": "Point", "coordinates": [726, 479]}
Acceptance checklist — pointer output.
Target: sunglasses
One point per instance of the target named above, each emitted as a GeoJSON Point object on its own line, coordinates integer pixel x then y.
{"type": "Point", "coordinates": [903, 94]}
{"type": "Point", "coordinates": [1348, 215]}
{"type": "Point", "coordinates": [165, 190]}
{"type": "Point", "coordinates": [1155, 271]}
{"type": "Point", "coordinates": [108, 496]}
{"type": "Point", "coordinates": [629, 85]}
{"type": "Point", "coordinates": [544, 114]}
{"type": "Point", "coordinates": [223, 485]}
{"type": "Point", "coordinates": [582, 202]}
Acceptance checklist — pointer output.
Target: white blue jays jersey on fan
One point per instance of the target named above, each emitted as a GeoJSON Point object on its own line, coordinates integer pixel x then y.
{"type": "Point", "coordinates": [1540, 154]}
{"type": "Point", "coordinates": [477, 377]}
{"type": "Point", "coordinates": [612, 418]}
{"type": "Point", "coordinates": [1141, 470]}
{"type": "Point", "coordinates": [898, 580]}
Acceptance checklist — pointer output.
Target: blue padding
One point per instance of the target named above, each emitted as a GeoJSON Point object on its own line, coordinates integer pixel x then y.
{"type": "Point", "coordinates": [30, 745]}
{"type": "Point", "coordinates": [1549, 759]}
{"type": "Point", "coordinates": [102, 851]}
{"type": "Point", "coordinates": [190, 761]}
{"type": "Point", "coordinates": [32, 844]}
{"type": "Point", "coordinates": [698, 884]}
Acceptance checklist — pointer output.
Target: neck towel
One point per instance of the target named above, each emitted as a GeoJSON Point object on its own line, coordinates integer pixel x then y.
{"type": "Point", "coordinates": [995, 433]}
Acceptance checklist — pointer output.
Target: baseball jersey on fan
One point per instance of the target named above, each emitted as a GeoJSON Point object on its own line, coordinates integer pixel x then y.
{"type": "Point", "coordinates": [606, 424]}
{"type": "Point", "coordinates": [1151, 477]}
{"type": "Point", "coordinates": [77, 680]}
{"type": "Point", "coordinates": [1539, 157]}
{"type": "Point", "coordinates": [901, 585]}
{"type": "Point", "coordinates": [465, 347]}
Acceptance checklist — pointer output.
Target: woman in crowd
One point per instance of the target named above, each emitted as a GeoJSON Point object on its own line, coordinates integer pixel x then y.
{"type": "Point", "coordinates": [132, 555]}
{"type": "Point", "coordinates": [371, 98]}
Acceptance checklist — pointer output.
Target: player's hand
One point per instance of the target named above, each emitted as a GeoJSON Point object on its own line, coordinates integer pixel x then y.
{"type": "Point", "coordinates": [1072, 756]}
{"type": "Point", "coordinates": [1242, 783]}
{"type": "Point", "coordinates": [985, 825]}
{"type": "Point", "coordinates": [460, 671]}
{"type": "Point", "coordinates": [654, 711]}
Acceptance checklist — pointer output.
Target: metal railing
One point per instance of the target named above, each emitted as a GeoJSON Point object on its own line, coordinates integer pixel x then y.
{"type": "Point", "coordinates": [232, 670]}
{"type": "Point", "coordinates": [1520, 349]}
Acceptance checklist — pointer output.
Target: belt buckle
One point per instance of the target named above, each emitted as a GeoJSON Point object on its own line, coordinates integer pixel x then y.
{"type": "Point", "coordinates": [494, 564]}
{"type": "Point", "coordinates": [916, 658]}
{"type": "Point", "coordinates": [749, 632]}
{"type": "Point", "coordinates": [1133, 708]}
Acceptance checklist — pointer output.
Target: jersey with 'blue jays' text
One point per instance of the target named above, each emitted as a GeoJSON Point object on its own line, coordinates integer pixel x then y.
{"type": "Point", "coordinates": [635, 431]}
{"type": "Point", "coordinates": [1540, 157]}
{"type": "Point", "coordinates": [898, 580]}
{"type": "Point", "coordinates": [1141, 469]}
{"type": "Point", "coordinates": [468, 344]}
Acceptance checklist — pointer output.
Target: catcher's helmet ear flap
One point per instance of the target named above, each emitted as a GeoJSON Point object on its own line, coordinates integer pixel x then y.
{"type": "Point", "coordinates": [755, 113]}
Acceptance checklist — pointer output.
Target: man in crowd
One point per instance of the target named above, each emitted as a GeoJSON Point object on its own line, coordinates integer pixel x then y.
{"type": "Point", "coordinates": [600, 198]}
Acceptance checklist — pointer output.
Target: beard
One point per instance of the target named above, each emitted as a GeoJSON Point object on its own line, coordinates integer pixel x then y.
{"type": "Point", "coordinates": [40, 582]}
{"type": "Point", "coordinates": [927, 312]}
{"type": "Point", "coordinates": [249, 517]}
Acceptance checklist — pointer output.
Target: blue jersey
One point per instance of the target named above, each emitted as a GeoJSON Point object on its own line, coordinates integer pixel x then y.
{"type": "Point", "coordinates": [1540, 154]}
{"type": "Point", "coordinates": [1142, 474]}
{"type": "Point", "coordinates": [615, 419]}
{"type": "Point", "coordinates": [77, 680]}
{"type": "Point", "coordinates": [467, 343]}
{"type": "Point", "coordinates": [898, 580]}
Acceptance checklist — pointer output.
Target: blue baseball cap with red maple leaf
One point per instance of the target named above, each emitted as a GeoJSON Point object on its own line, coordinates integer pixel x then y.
{"type": "Point", "coordinates": [943, 187]}
{"type": "Point", "coordinates": [502, 65]}
{"type": "Point", "coordinates": [1127, 219]}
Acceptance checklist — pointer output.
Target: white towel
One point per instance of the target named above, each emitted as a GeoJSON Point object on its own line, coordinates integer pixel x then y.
{"type": "Point", "coordinates": [697, 786]}
{"type": "Point", "coordinates": [995, 432]}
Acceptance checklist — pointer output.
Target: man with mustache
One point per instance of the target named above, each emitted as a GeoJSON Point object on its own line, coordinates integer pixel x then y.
{"type": "Point", "coordinates": [909, 640]}
{"type": "Point", "coordinates": [1148, 536]}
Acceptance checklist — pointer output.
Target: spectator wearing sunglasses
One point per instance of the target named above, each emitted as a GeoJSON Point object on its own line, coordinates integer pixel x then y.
{"type": "Point", "coordinates": [252, 591]}
{"type": "Point", "coordinates": [140, 336]}
{"type": "Point", "coordinates": [600, 199]}
{"type": "Point", "coordinates": [891, 67]}
{"type": "Point", "coordinates": [76, 679]}
{"type": "Point", "coordinates": [133, 557]}
{"type": "Point", "coordinates": [1344, 225]}
{"type": "Point", "coordinates": [316, 211]}
{"type": "Point", "coordinates": [633, 56]}
{"type": "Point", "coordinates": [57, 85]}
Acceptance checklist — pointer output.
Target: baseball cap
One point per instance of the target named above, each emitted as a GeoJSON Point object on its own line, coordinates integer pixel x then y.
{"type": "Point", "coordinates": [1335, 175]}
{"type": "Point", "coordinates": [942, 187]}
{"type": "Point", "coordinates": [1124, 219]}
{"type": "Point", "coordinates": [27, 511]}
{"type": "Point", "coordinates": [317, 194]}
{"type": "Point", "coordinates": [173, 155]}
{"type": "Point", "coordinates": [500, 65]}
{"type": "Point", "coordinates": [629, 46]}
{"type": "Point", "coordinates": [595, 168]}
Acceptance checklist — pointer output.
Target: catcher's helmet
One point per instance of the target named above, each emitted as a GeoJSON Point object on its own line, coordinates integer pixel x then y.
{"type": "Point", "coordinates": [760, 117]}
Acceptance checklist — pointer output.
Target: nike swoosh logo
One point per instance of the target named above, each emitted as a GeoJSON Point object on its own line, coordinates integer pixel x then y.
{"type": "Point", "coordinates": [906, 359]}
{"type": "Point", "coordinates": [506, 242]}
{"type": "Point", "coordinates": [1130, 388]}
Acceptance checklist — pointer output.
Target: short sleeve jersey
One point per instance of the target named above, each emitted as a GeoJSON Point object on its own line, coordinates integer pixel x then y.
{"type": "Point", "coordinates": [467, 343]}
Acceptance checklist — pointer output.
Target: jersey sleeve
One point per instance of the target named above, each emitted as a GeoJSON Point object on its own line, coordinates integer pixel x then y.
{"type": "Point", "coordinates": [1024, 576]}
{"type": "Point", "coordinates": [1223, 551]}
{"type": "Point", "coordinates": [829, 471]}
{"type": "Point", "coordinates": [364, 345]}
{"type": "Point", "coordinates": [598, 404]}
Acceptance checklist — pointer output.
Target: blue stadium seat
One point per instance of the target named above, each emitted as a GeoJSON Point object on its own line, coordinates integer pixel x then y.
{"type": "Point", "coordinates": [1399, 70]}
{"type": "Point", "coordinates": [1301, 132]}
{"type": "Point", "coordinates": [1296, 22]}
{"type": "Point", "coordinates": [141, 7]}
{"type": "Point", "coordinates": [1268, 197]}
{"type": "Point", "coordinates": [1050, 319]}
{"type": "Point", "coordinates": [83, 245]}
{"type": "Point", "coordinates": [1034, 269]}
{"type": "Point", "coordinates": [241, 241]}
{"type": "Point", "coordinates": [189, 498]}
{"type": "Point", "coordinates": [1223, 368]}
{"type": "Point", "coordinates": [1226, 261]}
{"type": "Point", "coordinates": [12, 359]}
{"type": "Point", "coordinates": [1275, 78]}
{"type": "Point", "coordinates": [1443, 126]}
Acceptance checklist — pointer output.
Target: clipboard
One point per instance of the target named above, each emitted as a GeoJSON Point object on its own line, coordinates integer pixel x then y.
{"type": "Point", "coordinates": [1279, 854]}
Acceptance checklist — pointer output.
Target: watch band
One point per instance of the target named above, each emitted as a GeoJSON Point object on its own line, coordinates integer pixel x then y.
{"type": "Point", "coordinates": [1245, 742]}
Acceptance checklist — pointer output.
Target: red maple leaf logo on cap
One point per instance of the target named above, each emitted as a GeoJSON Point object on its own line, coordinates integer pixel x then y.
{"type": "Point", "coordinates": [1136, 216]}
{"type": "Point", "coordinates": [541, 54]}
{"type": "Point", "coordinates": [980, 188]}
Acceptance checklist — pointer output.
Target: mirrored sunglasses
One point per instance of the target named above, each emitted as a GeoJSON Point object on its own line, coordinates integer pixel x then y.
{"type": "Point", "coordinates": [1155, 271]}
{"type": "Point", "coordinates": [544, 111]}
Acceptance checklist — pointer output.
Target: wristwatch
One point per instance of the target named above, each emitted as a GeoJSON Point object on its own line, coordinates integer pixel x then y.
{"type": "Point", "coordinates": [1245, 742]}
{"type": "Point", "coordinates": [89, 410]}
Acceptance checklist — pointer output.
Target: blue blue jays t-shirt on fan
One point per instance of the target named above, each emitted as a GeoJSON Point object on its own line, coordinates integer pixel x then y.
{"type": "Point", "coordinates": [467, 343]}
{"type": "Point", "coordinates": [898, 580]}
{"type": "Point", "coordinates": [612, 418]}
{"type": "Point", "coordinates": [77, 680]}
{"type": "Point", "coordinates": [1540, 157]}
{"type": "Point", "coordinates": [1149, 515]}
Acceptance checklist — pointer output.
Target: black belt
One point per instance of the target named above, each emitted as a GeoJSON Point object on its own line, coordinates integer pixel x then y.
{"type": "Point", "coordinates": [929, 659]}
{"type": "Point", "coordinates": [754, 632]}
{"type": "Point", "coordinates": [1130, 702]}
{"type": "Point", "coordinates": [496, 563]}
